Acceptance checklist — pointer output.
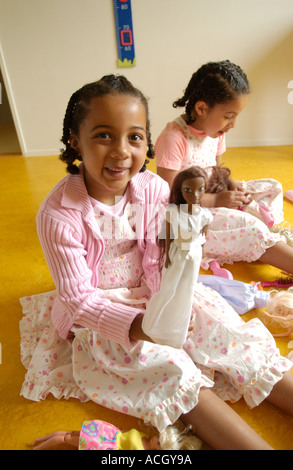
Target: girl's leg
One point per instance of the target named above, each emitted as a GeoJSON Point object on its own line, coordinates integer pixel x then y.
{"type": "Point", "coordinates": [280, 256]}
{"type": "Point", "coordinates": [220, 427]}
{"type": "Point", "coordinates": [282, 393]}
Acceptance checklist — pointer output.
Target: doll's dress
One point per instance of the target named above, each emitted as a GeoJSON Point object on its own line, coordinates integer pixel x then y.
{"type": "Point", "coordinates": [168, 312]}
{"type": "Point", "coordinates": [100, 435]}
{"type": "Point", "coordinates": [240, 295]}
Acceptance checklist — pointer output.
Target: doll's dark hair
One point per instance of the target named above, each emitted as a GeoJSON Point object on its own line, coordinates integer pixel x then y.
{"type": "Point", "coordinates": [219, 180]}
{"type": "Point", "coordinates": [176, 196]}
{"type": "Point", "coordinates": [214, 83]}
{"type": "Point", "coordinates": [78, 107]}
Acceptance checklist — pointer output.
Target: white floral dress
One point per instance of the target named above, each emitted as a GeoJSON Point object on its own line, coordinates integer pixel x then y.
{"type": "Point", "coordinates": [153, 382]}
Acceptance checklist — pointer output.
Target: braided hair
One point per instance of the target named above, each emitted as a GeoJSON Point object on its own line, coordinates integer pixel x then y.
{"type": "Point", "coordinates": [78, 108]}
{"type": "Point", "coordinates": [214, 83]}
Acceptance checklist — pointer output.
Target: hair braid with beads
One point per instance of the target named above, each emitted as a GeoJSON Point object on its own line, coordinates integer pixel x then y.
{"type": "Point", "coordinates": [214, 83]}
{"type": "Point", "coordinates": [78, 108]}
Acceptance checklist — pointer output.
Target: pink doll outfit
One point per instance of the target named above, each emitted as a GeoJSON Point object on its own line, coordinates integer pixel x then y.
{"type": "Point", "coordinates": [153, 382]}
{"type": "Point", "coordinates": [100, 435]}
{"type": "Point", "coordinates": [167, 316]}
{"type": "Point", "coordinates": [233, 235]}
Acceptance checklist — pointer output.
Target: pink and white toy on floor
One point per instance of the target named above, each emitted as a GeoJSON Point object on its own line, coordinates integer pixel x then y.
{"type": "Point", "coordinates": [289, 195]}
{"type": "Point", "coordinates": [279, 309]}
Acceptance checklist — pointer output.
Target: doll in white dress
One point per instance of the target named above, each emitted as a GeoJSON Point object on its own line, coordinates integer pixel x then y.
{"type": "Point", "coordinates": [168, 313]}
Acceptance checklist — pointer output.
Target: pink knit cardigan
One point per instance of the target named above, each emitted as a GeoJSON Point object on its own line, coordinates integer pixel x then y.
{"type": "Point", "coordinates": [73, 246]}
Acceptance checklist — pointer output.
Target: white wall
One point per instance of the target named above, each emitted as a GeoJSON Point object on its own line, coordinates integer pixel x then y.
{"type": "Point", "coordinates": [48, 49]}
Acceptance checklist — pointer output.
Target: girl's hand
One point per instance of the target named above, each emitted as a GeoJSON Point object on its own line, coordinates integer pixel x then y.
{"type": "Point", "coordinates": [231, 199]}
{"type": "Point", "coordinates": [236, 186]}
{"type": "Point", "coordinates": [70, 336]}
{"type": "Point", "coordinates": [136, 332]}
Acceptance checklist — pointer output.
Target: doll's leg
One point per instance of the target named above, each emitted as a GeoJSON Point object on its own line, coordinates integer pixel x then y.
{"type": "Point", "coordinates": [285, 334]}
{"type": "Point", "coordinates": [61, 440]}
{"type": "Point", "coordinates": [217, 424]}
{"type": "Point", "coordinates": [282, 393]}
{"type": "Point", "coordinates": [280, 256]}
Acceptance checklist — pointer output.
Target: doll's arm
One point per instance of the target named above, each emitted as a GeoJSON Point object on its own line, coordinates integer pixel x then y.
{"type": "Point", "coordinates": [205, 229]}
{"type": "Point", "coordinates": [168, 242]}
{"type": "Point", "coordinates": [61, 440]}
{"type": "Point", "coordinates": [279, 318]}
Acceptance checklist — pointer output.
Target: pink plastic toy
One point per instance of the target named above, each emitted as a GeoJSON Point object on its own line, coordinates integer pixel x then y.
{"type": "Point", "coordinates": [287, 282]}
{"type": "Point", "coordinates": [218, 271]}
{"type": "Point", "coordinates": [289, 195]}
{"type": "Point", "coordinates": [266, 215]}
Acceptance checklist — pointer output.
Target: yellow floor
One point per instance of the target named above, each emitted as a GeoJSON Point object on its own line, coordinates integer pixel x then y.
{"type": "Point", "coordinates": [24, 184]}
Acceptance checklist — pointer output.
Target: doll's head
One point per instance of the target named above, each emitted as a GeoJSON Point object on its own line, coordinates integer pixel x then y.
{"type": "Point", "coordinates": [280, 302]}
{"type": "Point", "coordinates": [78, 109]}
{"type": "Point", "coordinates": [184, 189]}
{"type": "Point", "coordinates": [179, 437]}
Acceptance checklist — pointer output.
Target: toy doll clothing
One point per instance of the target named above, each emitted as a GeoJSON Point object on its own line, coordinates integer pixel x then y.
{"type": "Point", "coordinates": [180, 146]}
{"type": "Point", "coordinates": [167, 316]}
{"type": "Point", "coordinates": [100, 435]}
{"type": "Point", "coordinates": [240, 295]}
